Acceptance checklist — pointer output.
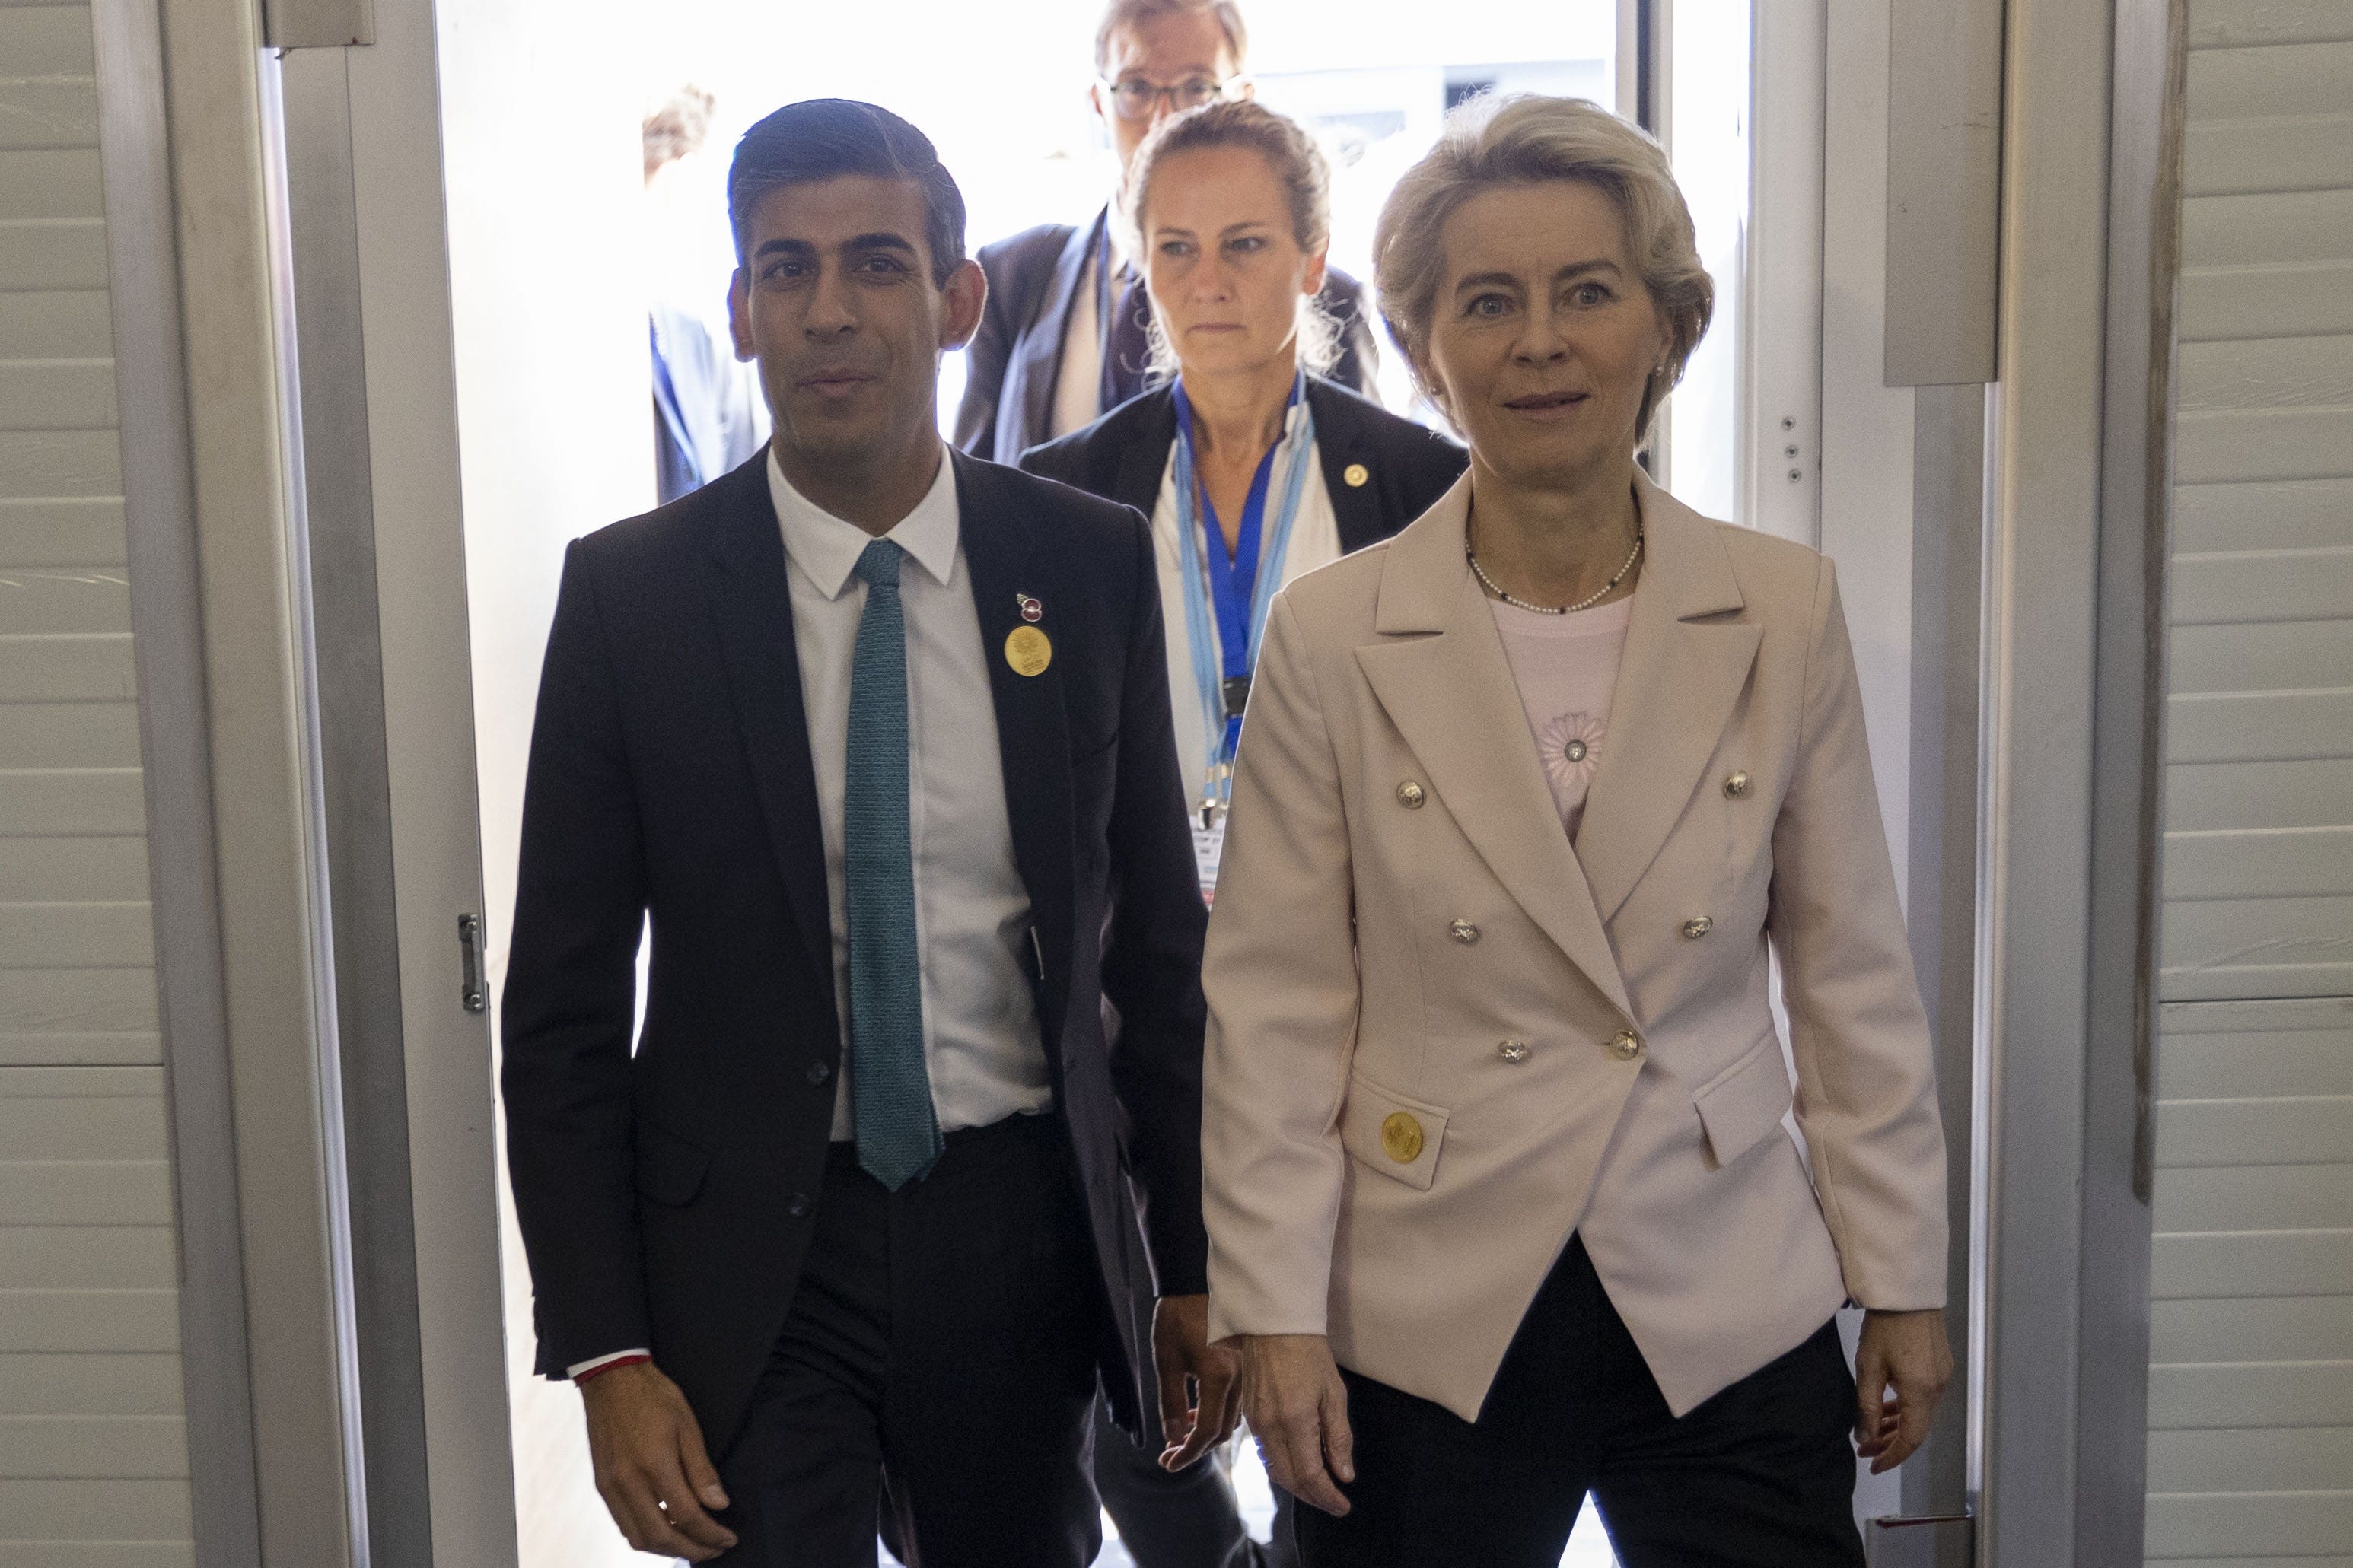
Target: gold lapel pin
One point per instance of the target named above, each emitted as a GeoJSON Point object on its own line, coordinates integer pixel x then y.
{"type": "Point", "coordinates": [1027, 651]}
{"type": "Point", "coordinates": [1357, 474]}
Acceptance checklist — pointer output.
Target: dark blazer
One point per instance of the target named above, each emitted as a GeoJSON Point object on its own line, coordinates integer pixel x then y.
{"type": "Point", "coordinates": [667, 1196]}
{"type": "Point", "coordinates": [1014, 360]}
{"type": "Point", "coordinates": [1402, 468]}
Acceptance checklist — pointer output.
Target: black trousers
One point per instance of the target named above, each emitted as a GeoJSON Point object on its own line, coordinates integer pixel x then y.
{"type": "Point", "coordinates": [1761, 1476]}
{"type": "Point", "coordinates": [1188, 1520]}
{"type": "Point", "coordinates": [937, 1366]}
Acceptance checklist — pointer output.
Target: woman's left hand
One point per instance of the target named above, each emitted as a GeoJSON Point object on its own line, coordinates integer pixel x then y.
{"type": "Point", "coordinates": [1907, 1351]}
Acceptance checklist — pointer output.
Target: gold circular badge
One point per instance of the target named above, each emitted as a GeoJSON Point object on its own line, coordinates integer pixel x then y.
{"type": "Point", "coordinates": [1401, 1138]}
{"type": "Point", "coordinates": [1027, 651]}
{"type": "Point", "coordinates": [1355, 474]}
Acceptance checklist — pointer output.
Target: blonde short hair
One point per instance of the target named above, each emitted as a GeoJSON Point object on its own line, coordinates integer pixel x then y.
{"type": "Point", "coordinates": [1126, 16]}
{"type": "Point", "coordinates": [1525, 139]}
{"type": "Point", "coordinates": [1298, 165]}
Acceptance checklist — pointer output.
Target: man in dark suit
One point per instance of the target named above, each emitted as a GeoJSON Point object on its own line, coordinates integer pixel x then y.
{"type": "Point", "coordinates": [880, 738]}
{"type": "Point", "coordinates": [1064, 337]}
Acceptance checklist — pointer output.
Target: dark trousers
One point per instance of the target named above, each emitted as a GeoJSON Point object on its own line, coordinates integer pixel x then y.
{"type": "Point", "coordinates": [1188, 1520]}
{"type": "Point", "coordinates": [1761, 1476]}
{"type": "Point", "coordinates": [936, 1370]}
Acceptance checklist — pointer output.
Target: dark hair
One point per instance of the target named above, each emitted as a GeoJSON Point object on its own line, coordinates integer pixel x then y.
{"type": "Point", "coordinates": [825, 137]}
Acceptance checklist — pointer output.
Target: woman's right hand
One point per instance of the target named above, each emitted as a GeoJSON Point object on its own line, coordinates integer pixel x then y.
{"type": "Point", "coordinates": [1298, 1409]}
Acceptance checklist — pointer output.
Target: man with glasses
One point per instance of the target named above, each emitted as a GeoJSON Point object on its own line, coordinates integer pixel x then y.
{"type": "Point", "coordinates": [1064, 337]}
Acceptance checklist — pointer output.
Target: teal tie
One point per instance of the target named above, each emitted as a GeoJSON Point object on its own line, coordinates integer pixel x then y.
{"type": "Point", "coordinates": [891, 1089]}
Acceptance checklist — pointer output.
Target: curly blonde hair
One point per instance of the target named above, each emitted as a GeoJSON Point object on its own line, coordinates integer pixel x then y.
{"type": "Point", "coordinates": [1524, 140]}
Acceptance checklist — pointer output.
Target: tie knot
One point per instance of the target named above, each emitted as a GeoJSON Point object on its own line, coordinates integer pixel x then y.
{"type": "Point", "coordinates": [879, 565]}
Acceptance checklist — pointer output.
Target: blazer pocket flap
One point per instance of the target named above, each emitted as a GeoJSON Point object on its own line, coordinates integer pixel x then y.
{"type": "Point", "coordinates": [1392, 1134]}
{"type": "Point", "coordinates": [669, 1169]}
{"type": "Point", "coordinates": [1744, 1101]}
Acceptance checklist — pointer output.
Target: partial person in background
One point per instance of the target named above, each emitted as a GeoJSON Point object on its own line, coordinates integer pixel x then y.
{"type": "Point", "coordinates": [875, 736]}
{"type": "Point", "coordinates": [1065, 336]}
{"type": "Point", "coordinates": [708, 415]}
{"type": "Point", "coordinates": [1499, 1203]}
{"type": "Point", "coordinates": [1254, 470]}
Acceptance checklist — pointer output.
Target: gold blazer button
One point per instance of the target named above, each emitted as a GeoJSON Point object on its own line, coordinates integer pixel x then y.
{"type": "Point", "coordinates": [1699, 927]}
{"type": "Point", "coordinates": [1625, 1045]}
{"type": "Point", "coordinates": [1355, 474]}
{"type": "Point", "coordinates": [1401, 1138]}
{"type": "Point", "coordinates": [1410, 795]}
{"type": "Point", "coordinates": [1737, 785]}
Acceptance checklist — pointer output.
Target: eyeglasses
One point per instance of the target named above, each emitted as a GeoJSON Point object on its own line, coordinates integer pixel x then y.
{"type": "Point", "coordinates": [1136, 99]}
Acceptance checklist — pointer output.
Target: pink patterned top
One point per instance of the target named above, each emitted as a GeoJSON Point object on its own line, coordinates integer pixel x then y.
{"type": "Point", "coordinates": [1567, 669]}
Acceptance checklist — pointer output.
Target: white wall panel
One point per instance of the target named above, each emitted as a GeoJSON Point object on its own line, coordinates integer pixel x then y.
{"type": "Point", "coordinates": [93, 1446]}
{"type": "Point", "coordinates": [2231, 157]}
{"type": "Point", "coordinates": [2237, 24]}
{"type": "Point", "coordinates": [2296, 792]}
{"type": "Point", "coordinates": [2195, 1199]}
{"type": "Point", "coordinates": [2295, 228]}
{"type": "Point", "coordinates": [2311, 514]}
{"type": "Point", "coordinates": [2252, 726]}
{"type": "Point", "coordinates": [2262, 1394]}
{"type": "Point", "coordinates": [2278, 82]}
{"type": "Point", "coordinates": [2250, 1382]}
{"type": "Point", "coordinates": [2265, 301]}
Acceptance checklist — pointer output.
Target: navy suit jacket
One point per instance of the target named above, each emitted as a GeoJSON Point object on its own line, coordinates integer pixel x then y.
{"type": "Point", "coordinates": [1380, 471]}
{"type": "Point", "coordinates": [1016, 357]}
{"type": "Point", "coordinates": [667, 1194]}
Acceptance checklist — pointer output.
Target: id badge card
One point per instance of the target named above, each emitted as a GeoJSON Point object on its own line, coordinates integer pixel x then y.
{"type": "Point", "coordinates": [1209, 848]}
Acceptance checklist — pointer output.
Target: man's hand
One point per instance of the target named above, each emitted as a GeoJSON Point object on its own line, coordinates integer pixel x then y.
{"type": "Point", "coordinates": [650, 1468]}
{"type": "Point", "coordinates": [1198, 1381]}
{"type": "Point", "coordinates": [1298, 1406]}
{"type": "Point", "coordinates": [1906, 1351]}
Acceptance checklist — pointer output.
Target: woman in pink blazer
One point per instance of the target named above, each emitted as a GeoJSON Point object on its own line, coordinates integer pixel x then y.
{"type": "Point", "coordinates": [1502, 1207]}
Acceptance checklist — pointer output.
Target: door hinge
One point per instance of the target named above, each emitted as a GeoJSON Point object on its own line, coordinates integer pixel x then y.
{"type": "Point", "coordinates": [471, 994]}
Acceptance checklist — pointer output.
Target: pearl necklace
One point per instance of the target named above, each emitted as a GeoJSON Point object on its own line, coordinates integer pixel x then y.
{"type": "Point", "coordinates": [1586, 602]}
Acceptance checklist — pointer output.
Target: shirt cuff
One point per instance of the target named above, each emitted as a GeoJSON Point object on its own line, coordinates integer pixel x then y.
{"type": "Point", "coordinates": [581, 1369]}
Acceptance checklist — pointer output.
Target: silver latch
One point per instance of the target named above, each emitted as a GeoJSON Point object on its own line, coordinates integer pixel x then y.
{"type": "Point", "coordinates": [471, 994]}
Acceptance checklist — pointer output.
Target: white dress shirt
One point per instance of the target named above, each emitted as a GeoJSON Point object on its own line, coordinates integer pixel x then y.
{"type": "Point", "coordinates": [972, 912]}
{"type": "Point", "coordinates": [981, 1040]}
{"type": "Point", "coordinates": [1077, 386]}
{"type": "Point", "coordinates": [1314, 542]}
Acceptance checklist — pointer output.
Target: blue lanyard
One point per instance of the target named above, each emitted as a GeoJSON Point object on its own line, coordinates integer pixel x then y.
{"type": "Point", "coordinates": [1240, 587]}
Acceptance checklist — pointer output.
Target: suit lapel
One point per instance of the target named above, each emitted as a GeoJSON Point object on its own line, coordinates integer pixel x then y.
{"type": "Point", "coordinates": [1032, 734]}
{"type": "Point", "coordinates": [1686, 665]}
{"type": "Point", "coordinates": [1037, 364]}
{"type": "Point", "coordinates": [1340, 443]}
{"type": "Point", "coordinates": [1453, 699]}
{"type": "Point", "coordinates": [1143, 456]}
{"type": "Point", "coordinates": [752, 602]}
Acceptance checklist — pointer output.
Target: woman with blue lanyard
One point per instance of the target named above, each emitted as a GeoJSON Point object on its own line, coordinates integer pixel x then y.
{"type": "Point", "coordinates": [1254, 469]}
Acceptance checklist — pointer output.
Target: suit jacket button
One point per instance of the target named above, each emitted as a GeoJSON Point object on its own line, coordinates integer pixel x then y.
{"type": "Point", "coordinates": [1463, 932]}
{"type": "Point", "coordinates": [1512, 1050]}
{"type": "Point", "coordinates": [1401, 1137]}
{"type": "Point", "coordinates": [819, 1071]}
{"type": "Point", "coordinates": [798, 1206]}
{"type": "Point", "coordinates": [1736, 785]}
{"type": "Point", "coordinates": [1410, 796]}
{"type": "Point", "coordinates": [1625, 1045]}
{"type": "Point", "coordinates": [1699, 927]}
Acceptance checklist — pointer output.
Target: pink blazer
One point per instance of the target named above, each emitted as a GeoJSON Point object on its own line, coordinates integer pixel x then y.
{"type": "Point", "coordinates": [1402, 1127]}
